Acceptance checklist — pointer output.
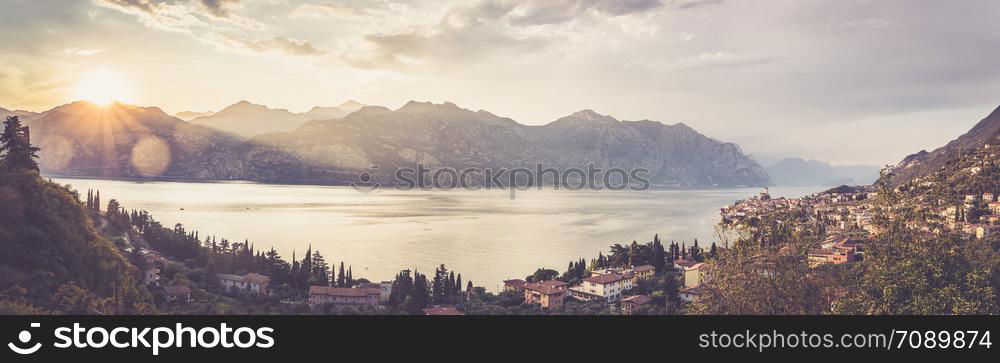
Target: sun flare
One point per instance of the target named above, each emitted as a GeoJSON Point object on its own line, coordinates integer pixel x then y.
{"type": "Point", "coordinates": [102, 87]}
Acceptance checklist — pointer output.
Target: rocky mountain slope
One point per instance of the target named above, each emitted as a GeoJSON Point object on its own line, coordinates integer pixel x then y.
{"type": "Point", "coordinates": [924, 163]}
{"type": "Point", "coordinates": [445, 135]}
{"type": "Point", "coordinates": [143, 142]}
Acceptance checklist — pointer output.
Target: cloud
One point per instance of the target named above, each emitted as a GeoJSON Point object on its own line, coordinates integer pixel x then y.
{"type": "Point", "coordinates": [183, 15]}
{"type": "Point", "coordinates": [274, 45]}
{"type": "Point", "coordinates": [82, 52]}
{"type": "Point", "coordinates": [721, 59]}
{"type": "Point", "coordinates": [219, 8]}
{"type": "Point", "coordinates": [691, 4]}
{"type": "Point", "coordinates": [547, 12]}
{"type": "Point", "coordinates": [487, 29]}
{"type": "Point", "coordinates": [169, 16]}
{"type": "Point", "coordinates": [327, 9]}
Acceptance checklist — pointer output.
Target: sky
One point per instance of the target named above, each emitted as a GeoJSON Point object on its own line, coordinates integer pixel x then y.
{"type": "Point", "coordinates": [843, 81]}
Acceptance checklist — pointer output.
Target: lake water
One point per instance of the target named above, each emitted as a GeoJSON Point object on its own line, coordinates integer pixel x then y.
{"type": "Point", "coordinates": [484, 235]}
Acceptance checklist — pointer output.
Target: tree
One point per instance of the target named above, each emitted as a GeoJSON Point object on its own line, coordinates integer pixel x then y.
{"type": "Point", "coordinates": [659, 255]}
{"type": "Point", "coordinates": [320, 270]}
{"type": "Point", "coordinates": [542, 274]}
{"type": "Point", "coordinates": [419, 296]}
{"type": "Point", "coordinates": [400, 288]}
{"type": "Point", "coordinates": [15, 146]}
{"type": "Point", "coordinates": [440, 286]}
{"type": "Point", "coordinates": [909, 272]}
{"type": "Point", "coordinates": [341, 276]}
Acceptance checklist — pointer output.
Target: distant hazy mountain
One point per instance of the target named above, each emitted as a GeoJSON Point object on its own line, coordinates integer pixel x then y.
{"type": "Point", "coordinates": [191, 115]}
{"type": "Point", "coordinates": [800, 172]}
{"type": "Point", "coordinates": [924, 163]}
{"type": "Point", "coordinates": [350, 106]}
{"type": "Point", "coordinates": [23, 115]}
{"type": "Point", "coordinates": [248, 120]}
{"type": "Point", "coordinates": [439, 135]}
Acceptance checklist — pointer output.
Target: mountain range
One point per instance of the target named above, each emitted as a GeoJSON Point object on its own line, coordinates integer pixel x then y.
{"type": "Point", "coordinates": [248, 120]}
{"type": "Point", "coordinates": [127, 141]}
{"type": "Point", "coordinates": [800, 172]}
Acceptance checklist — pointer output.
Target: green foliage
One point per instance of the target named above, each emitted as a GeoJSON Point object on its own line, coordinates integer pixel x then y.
{"type": "Point", "coordinates": [542, 274]}
{"type": "Point", "coordinates": [49, 240]}
{"type": "Point", "coordinates": [16, 152]}
{"type": "Point", "coordinates": [907, 271]}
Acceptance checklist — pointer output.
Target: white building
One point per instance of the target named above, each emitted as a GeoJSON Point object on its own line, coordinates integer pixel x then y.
{"type": "Point", "coordinates": [251, 282]}
{"type": "Point", "coordinates": [693, 272]}
{"type": "Point", "coordinates": [608, 287]}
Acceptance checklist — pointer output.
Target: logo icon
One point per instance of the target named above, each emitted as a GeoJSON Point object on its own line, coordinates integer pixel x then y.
{"type": "Point", "coordinates": [25, 337]}
{"type": "Point", "coordinates": [365, 183]}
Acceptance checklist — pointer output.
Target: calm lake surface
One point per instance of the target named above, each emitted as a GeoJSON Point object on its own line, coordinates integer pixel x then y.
{"type": "Point", "coordinates": [484, 235]}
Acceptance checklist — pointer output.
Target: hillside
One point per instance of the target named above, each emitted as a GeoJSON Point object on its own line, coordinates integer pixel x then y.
{"type": "Point", "coordinates": [924, 163]}
{"type": "Point", "coordinates": [54, 259]}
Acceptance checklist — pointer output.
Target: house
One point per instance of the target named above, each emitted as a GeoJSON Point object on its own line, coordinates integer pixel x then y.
{"type": "Point", "coordinates": [986, 231]}
{"type": "Point", "coordinates": [995, 207]}
{"type": "Point", "coordinates": [631, 303]}
{"type": "Point", "coordinates": [607, 287]}
{"type": "Point", "coordinates": [693, 271]}
{"type": "Point", "coordinates": [644, 271]}
{"type": "Point", "coordinates": [251, 282]}
{"type": "Point", "coordinates": [690, 294]}
{"type": "Point", "coordinates": [442, 310]}
{"type": "Point", "coordinates": [154, 265]}
{"type": "Point", "coordinates": [151, 276]}
{"type": "Point", "coordinates": [343, 296]}
{"type": "Point", "coordinates": [178, 293]}
{"type": "Point", "coordinates": [548, 294]}
{"type": "Point", "coordinates": [384, 288]}
{"type": "Point", "coordinates": [837, 249]}
{"type": "Point", "coordinates": [515, 285]}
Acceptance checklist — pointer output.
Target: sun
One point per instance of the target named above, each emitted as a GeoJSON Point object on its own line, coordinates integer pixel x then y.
{"type": "Point", "coordinates": [102, 87]}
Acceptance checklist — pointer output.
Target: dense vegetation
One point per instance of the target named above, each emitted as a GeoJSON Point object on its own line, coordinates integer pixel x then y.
{"type": "Point", "coordinates": [54, 260]}
{"type": "Point", "coordinates": [905, 269]}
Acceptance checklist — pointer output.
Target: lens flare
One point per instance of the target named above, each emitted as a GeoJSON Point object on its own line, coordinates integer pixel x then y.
{"type": "Point", "coordinates": [151, 156]}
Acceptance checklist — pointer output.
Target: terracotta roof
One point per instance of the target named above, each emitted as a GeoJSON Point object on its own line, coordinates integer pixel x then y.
{"type": "Point", "coordinates": [543, 288]}
{"type": "Point", "coordinates": [255, 278]}
{"type": "Point", "coordinates": [553, 283]}
{"type": "Point", "coordinates": [685, 263]}
{"type": "Point", "coordinates": [514, 282]}
{"type": "Point", "coordinates": [638, 299]}
{"type": "Point", "coordinates": [442, 310]}
{"type": "Point", "coordinates": [604, 279]}
{"type": "Point", "coordinates": [341, 291]}
{"type": "Point", "coordinates": [644, 268]}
